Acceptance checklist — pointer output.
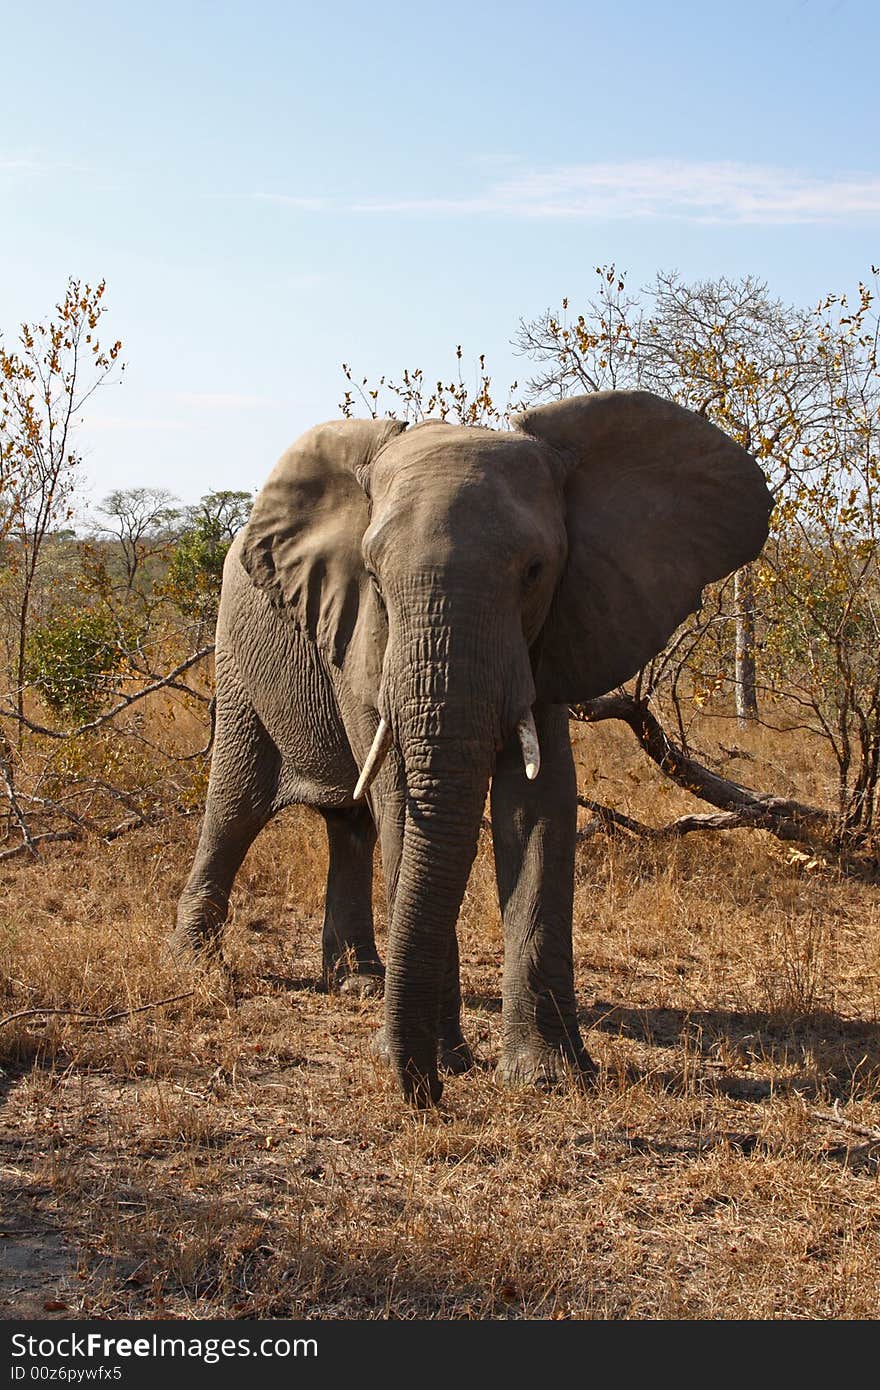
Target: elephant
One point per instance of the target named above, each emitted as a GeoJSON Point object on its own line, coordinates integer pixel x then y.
{"type": "Point", "coordinates": [404, 621]}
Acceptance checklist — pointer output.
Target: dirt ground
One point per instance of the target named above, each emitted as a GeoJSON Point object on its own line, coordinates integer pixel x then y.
{"type": "Point", "coordinates": [238, 1152]}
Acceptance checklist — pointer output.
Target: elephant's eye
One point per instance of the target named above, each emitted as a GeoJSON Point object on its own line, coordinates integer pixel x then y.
{"type": "Point", "coordinates": [377, 589]}
{"type": "Point", "coordinates": [532, 574]}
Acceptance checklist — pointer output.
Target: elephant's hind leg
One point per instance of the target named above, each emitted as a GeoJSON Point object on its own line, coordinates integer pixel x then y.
{"type": "Point", "coordinates": [241, 793]}
{"type": "Point", "coordinates": [350, 959]}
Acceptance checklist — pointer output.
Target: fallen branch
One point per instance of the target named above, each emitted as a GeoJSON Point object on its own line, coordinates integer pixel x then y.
{"type": "Point", "coordinates": [721, 820]}
{"type": "Point", "coordinates": [136, 822]}
{"type": "Point", "coordinates": [49, 806]}
{"type": "Point", "coordinates": [610, 820]}
{"type": "Point", "coordinates": [606, 819]}
{"type": "Point", "coordinates": [27, 847]}
{"type": "Point", "coordinates": [743, 806]}
{"type": "Point", "coordinates": [82, 1016]}
{"type": "Point", "coordinates": [834, 1117]}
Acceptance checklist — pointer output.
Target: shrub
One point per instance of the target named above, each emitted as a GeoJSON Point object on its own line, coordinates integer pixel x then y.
{"type": "Point", "coordinates": [72, 659]}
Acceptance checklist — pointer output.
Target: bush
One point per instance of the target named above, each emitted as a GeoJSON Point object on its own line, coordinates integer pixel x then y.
{"type": "Point", "coordinates": [196, 570]}
{"type": "Point", "coordinates": [71, 659]}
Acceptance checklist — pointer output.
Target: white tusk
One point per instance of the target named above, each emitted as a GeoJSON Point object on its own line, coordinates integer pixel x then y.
{"type": "Point", "coordinates": [375, 759]}
{"type": "Point", "coordinates": [531, 748]}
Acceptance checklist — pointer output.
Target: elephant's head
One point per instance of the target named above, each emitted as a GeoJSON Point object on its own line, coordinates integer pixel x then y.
{"type": "Point", "coordinates": [457, 575]}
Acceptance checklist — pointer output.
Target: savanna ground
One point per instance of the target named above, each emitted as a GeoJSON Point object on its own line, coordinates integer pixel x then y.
{"type": "Point", "coordinates": [238, 1152]}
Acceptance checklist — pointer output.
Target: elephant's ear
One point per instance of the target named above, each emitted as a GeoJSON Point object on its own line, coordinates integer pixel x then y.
{"type": "Point", "coordinates": [659, 503]}
{"type": "Point", "coordinates": [302, 543]}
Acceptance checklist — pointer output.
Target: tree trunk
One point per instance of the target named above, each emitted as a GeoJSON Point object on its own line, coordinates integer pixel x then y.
{"type": "Point", "coordinates": [746, 692]}
{"type": "Point", "coordinates": [23, 614]}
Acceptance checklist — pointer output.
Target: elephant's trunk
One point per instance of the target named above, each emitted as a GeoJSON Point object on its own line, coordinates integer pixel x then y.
{"type": "Point", "coordinates": [443, 814]}
{"type": "Point", "coordinates": [454, 691]}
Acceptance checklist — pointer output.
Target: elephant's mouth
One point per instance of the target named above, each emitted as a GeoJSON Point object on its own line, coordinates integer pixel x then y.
{"type": "Point", "coordinates": [525, 732]}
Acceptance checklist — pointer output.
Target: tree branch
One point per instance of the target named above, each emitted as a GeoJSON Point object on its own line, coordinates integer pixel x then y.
{"type": "Point", "coordinates": [123, 704]}
{"type": "Point", "coordinates": [83, 1017]}
{"type": "Point", "coordinates": [744, 807]}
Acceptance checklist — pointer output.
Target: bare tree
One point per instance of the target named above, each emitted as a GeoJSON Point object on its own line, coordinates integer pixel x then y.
{"type": "Point", "coordinates": [596, 350]}
{"type": "Point", "coordinates": [799, 388]}
{"type": "Point", "coordinates": [221, 513]}
{"type": "Point", "coordinates": [724, 348]}
{"type": "Point", "coordinates": [44, 384]}
{"type": "Point", "coordinates": [414, 398]}
{"type": "Point", "coordinates": [140, 520]}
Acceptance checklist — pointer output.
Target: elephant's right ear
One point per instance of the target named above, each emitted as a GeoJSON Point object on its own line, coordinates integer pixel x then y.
{"type": "Point", "coordinates": [659, 503]}
{"type": "Point", "coordinates": [302, 543]}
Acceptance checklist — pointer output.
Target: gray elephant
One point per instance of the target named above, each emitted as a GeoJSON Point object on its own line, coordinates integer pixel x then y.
{"type": "Point", "coordinates": [403, 621]}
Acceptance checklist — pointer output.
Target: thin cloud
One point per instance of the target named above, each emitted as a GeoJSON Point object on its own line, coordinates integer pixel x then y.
{"type": "Point", "coordinates": [720, 192]}
{"type": "Point", "coordinates": [225, 400]}
{"type": "Point", "coordinates": [108, 423]}
{"type": "Point", "coordinates": [708, 192]}
{"type": "Point", "coordinates": [25, 167]}
{"type": "Point", "coordinates": [302, 204]}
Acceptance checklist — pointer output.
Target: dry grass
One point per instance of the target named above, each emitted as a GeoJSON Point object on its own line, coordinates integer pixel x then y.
{"type": "Point", "coordinates": [239, 1153]}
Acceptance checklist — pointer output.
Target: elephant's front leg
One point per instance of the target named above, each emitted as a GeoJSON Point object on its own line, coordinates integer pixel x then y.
{"type": "Point", "coordinates": [534, 830]}
{"type": "Point", "coordinates": [350, 959]}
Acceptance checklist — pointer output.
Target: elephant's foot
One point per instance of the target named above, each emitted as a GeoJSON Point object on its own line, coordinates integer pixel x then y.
{"type": "Point", "coordinates": [362, 986]}
{"type": "Point", "coordinates": [195, 946]}
{"type": "Point", "coordinates": [362, 977]}
{"type": "Point", "coordinates": [421, 1090]}
{"type": "Point", "coordinates": [543, 1067]}
{"type": "Point", "coordinates": [199, 953]}
{"type": "Point", "coordinates": [454, 1055]}
{"type": "Point", "coordinates": [198, 931]}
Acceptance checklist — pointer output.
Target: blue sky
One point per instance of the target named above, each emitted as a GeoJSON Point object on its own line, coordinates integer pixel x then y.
{"type": "Point", "coordinates": [271, 189]}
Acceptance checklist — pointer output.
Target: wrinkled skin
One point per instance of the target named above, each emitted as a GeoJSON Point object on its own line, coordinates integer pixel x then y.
{"type": "Point", "coordinates": [450, 580]}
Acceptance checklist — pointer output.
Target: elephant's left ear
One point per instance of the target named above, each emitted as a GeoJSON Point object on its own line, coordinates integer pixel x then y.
{"type": "Point", "coordinates": [659, 503]}
{"type": "Point", "coordinates": [302, 543]}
